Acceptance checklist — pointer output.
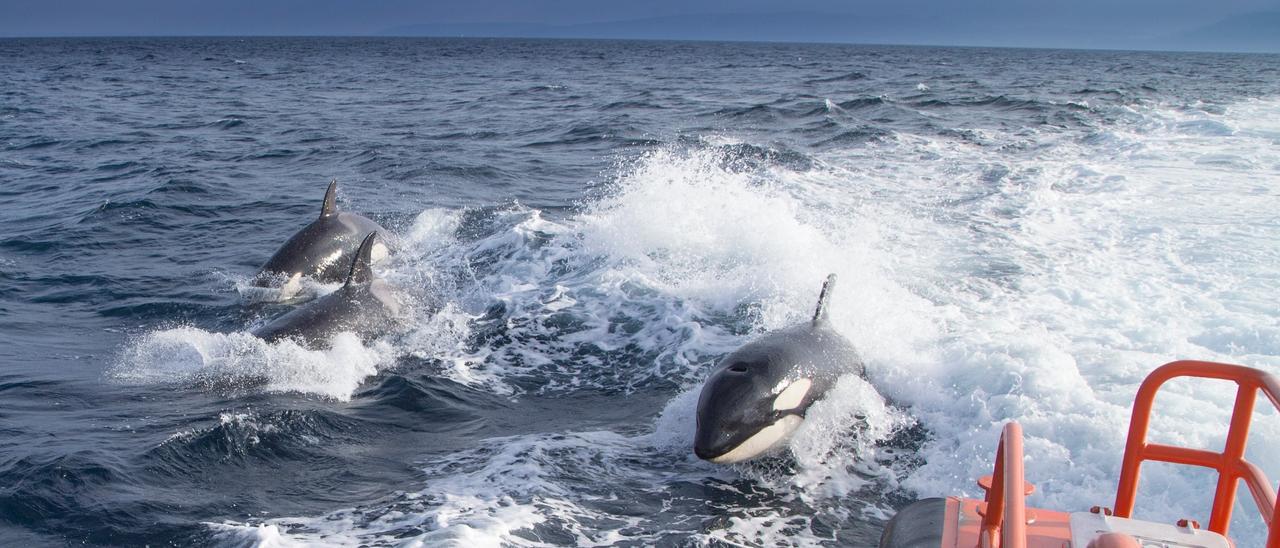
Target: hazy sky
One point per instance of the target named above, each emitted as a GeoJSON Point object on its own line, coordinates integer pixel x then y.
{"type": "Point", "coordinates": [1085, 18]}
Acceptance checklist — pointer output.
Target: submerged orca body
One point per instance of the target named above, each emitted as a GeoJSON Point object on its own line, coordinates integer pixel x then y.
{"type": "Point", "coordinates": [757, 396]}
{"type": "Point", "coordinates": [365, 305]}
{"type": "Point", "coordinates": [322, 250]}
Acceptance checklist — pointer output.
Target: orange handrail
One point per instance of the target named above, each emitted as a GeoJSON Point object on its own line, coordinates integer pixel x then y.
{"type": "Point", "coordinates": [1005, 522]}
{"type": "Point", "coordinates": [1230, 463]}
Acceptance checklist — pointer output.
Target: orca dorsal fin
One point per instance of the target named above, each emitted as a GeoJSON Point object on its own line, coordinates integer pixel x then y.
{"type": "Point", "coordinates": [820, 314]}
{"type": "Point", "coordinates": [330, 206]}
{"type": "Point", "coordinates": [362, 264]}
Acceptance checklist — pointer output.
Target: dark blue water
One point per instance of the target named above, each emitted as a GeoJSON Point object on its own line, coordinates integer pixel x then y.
{"type": "Point", "coordinates": [587, 226]}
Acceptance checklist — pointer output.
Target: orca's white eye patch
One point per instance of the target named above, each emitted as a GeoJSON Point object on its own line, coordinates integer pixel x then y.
{"type": "Point", "coordinates": [792, 395]}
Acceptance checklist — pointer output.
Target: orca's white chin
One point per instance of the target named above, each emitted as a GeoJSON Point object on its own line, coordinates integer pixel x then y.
{"type": "Point", "coordinates": [291, 287]}
{"type": "Point", "coordinates": [760, 443]}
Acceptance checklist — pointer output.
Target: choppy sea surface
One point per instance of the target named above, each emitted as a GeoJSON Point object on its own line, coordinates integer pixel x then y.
{"type": "Point", "coordinates": [585, 228]}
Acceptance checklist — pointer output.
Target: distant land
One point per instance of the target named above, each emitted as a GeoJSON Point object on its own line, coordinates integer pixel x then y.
{"type": "Point", "coordinates": [1255, 32]}
{"type": "Point", "coordinates": [1249, 33]}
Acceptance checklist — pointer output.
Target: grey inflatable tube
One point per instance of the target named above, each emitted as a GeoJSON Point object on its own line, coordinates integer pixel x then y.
{"type": "Point", "coordinates": [919, 525]}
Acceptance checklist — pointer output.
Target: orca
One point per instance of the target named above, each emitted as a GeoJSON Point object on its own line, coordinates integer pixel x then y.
{"type": "Point", "coordinates": [365, 305]}
{"type": "Point", "coordinates": [757, 396]}
{"type": "Point", "coordinates": [321, 251]}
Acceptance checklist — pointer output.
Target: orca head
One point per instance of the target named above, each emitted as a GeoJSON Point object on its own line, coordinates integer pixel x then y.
{"type": "Point", "coordinates": [757, 396]}
{"type": "Point", "coordinates": [321, 250]}
{"type": "Point", "coordinates": [747, 408]}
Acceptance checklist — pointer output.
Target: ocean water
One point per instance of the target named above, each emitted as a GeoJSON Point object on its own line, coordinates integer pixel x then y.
{"type": "Point", "coordinates": [584, 228]}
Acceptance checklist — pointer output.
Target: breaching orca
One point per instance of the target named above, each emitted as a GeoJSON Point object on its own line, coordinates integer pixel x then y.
{"type": "Point", "coordinates": [322, 250]}
{"type": "Point", "coordinates": [756, 397]}
{"type": "Point", "coordinates": [365, 305]}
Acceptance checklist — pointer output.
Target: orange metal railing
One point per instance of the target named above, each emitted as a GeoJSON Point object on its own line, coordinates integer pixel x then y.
{"type": "Point", "coordinates": [1004, 521]}
{"type": "Point", "coordinates": [1004, 512]}
{"type": "Point", "coordinates": [1230, 463]}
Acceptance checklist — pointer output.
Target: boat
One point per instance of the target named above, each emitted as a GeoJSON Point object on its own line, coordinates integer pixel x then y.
{"type": "Point", "coordinates": [1002, 518]}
